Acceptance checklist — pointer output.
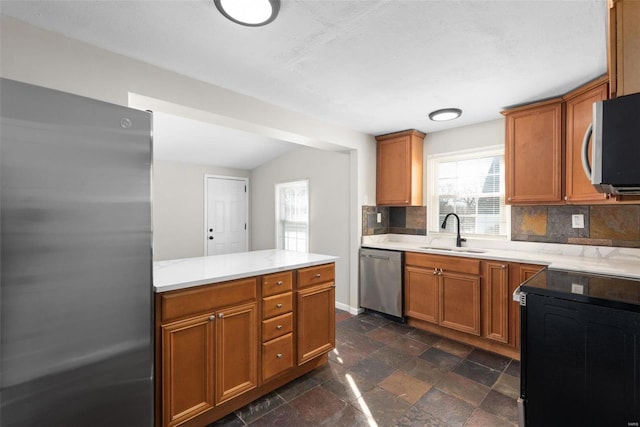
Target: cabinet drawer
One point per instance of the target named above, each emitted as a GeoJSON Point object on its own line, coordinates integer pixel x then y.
{"type": "Point", "coordinates": [315, 275]}
{"type": "Point", "coordinates": [202, 299]}
{"type": "Point", "coordinates": [277, 283]}
{"type": "Point", "coordinates": [277, 326]}
{"type": "Point", "coordinates": [277, 356]}
{"type": "Point", "coordinates": [276, 305]}
{"type": "Point", "coordinates": [445, 262]}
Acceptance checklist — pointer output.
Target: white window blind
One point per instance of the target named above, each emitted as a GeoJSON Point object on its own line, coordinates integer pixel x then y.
{"type": "Point", "coordinates": [292, 216]}
{"type": "Point", "coordinates": [470, 184]}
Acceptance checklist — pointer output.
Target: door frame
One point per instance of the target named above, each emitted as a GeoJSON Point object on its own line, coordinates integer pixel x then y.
{"type": "Point", "coordinates": [206, 204]}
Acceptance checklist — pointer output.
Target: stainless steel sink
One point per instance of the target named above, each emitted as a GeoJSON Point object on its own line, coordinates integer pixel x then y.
{"type": "Point", "coordinates": [462, 250]}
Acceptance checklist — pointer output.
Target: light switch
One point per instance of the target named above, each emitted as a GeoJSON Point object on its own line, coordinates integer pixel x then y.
{"type": "Point", "coordinates": [577, 221]}
{"type": "Point", "coordinates": [379, 217]}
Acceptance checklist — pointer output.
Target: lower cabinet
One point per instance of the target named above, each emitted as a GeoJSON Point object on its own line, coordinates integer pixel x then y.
{"type": "Point", "coordinates": [316, 312]}
{"type": "Point", "coordinates": [443, 290]}
{"type": "Point", "coordinates": [466, 299]}
{"type": "Point", "coordinates": [219, 346]}
{"type": "Point", "coordinates": [223, 342]}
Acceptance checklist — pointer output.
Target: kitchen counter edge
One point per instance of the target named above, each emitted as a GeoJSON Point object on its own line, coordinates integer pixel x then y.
{"type": "Point", "coordinates": [185, 273]}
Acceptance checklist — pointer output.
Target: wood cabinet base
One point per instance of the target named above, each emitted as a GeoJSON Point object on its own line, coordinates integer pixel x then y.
{"type": "Point", "coordinates": [228, 407]}
{"type": "Point", "coordinates": [465, 338]}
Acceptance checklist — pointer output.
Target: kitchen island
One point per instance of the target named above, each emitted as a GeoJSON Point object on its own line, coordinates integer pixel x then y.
{"type": "Point", "coordinates": [232, 328]}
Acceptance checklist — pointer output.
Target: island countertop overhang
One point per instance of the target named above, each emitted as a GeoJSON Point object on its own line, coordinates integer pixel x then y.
{"type": "Point", "coordinates": [188, 272]}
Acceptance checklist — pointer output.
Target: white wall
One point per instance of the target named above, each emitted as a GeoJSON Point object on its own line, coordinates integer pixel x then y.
{"type": "Point", "coordinates": [178, 207]}
{"type": "Point", "coordinates": [329, 211]}
{"type": "Point", "coordinates": [464, 138]}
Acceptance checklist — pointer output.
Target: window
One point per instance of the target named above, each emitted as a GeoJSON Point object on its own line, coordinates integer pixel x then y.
{"type": "Point", "coordinates": [292, 216]}
{"type": "Point", "coordinates": [470, 184]}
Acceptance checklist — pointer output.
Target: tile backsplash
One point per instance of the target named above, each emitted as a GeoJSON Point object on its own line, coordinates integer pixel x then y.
{"type": "Point", "coordinates": [604, 225]}
{"type": "Point", "coordinates": [395, 220]}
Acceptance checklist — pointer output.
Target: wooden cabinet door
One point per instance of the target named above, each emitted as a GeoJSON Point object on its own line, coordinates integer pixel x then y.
{"type": "Point", "coordinates": [579, 115]}
{"type": "Point", "coordinates": [236, 351]}
{"type": "Point", "coordinates": [460, 302]}
{"type": "Point", "coordinates": [421, 293]}
{"type": "Point", "coordinates": [316, 321]}
{"type": "Point", "coordinates": [187, 369]}
{"type": "Point", "coordinates": [496, 300]}
{"type": "Point", "coordinates": [624, 47]}
{"type": "Point", "coordinates": [399, 169]}
{"type": "Point", "coordinates": [533, 153]}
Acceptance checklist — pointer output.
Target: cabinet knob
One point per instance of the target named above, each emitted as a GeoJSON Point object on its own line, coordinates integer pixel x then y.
{"type": "Point", "coordinates": [503, 266]}
{"type": "Point", "coordinates": [278, 305]}
{"type": "Point", "coordinates": [435, 271]}
{"type": "Point", "coordinates": [212, 317]}
{"type": "Point", "coordinates": [318, 276]}
{"type": "Point", "coordinates": [279, 327]}
{"type": "Point", "coordinates": [279, 355]}
{"type": "Point", "coordinates": [509, 198]}
{"type": "Point", "coordinates": [279, 283]}
{"type": "Point", "coordinates": [221, 315]}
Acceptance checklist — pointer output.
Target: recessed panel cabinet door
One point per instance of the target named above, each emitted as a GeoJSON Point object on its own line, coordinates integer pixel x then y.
{"type": "Point", "coordinates": [187, 369]}
{"type": "Point", "coordinates": [316, 321]}
{"type": "Point", "coordinates": [421, 294]}
{"type": "Point", "coordinates": [460, 302]}
{"type": "Point", "coordinates": [236, 351]}
{"type": "Point", "coordinates": [533, 154]}
{"type": "Point", "coordinates": [497, 299]}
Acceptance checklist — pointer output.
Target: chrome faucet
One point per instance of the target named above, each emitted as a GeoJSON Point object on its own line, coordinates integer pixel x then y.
{"type": "Point", "coordinates": [459, 239]}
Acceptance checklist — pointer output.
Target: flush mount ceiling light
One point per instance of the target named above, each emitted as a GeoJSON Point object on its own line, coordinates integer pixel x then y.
{"type": "Point", "coordinates": [252, 13]}
{"type": "Point", "coordinates": [445, 114]}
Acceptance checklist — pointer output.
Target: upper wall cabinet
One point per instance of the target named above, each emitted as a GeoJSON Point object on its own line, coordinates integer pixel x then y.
{"type": "Point", "coordinates": [579, 114]}
{"type": "Point", "coordinates": [533, 153]}
{"type": "Point", "coordinates": [624, 47]}
{"type": "Point", "coordinates": [543, 150]}
{"type": "Point", "coordinates": [399, 169]}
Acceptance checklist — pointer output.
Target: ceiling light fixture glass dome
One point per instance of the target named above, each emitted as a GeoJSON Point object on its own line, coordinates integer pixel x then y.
{"type": "Point", "coordinates": [445, 114]}
{"type": "Point", "coordinates": [252, 13]}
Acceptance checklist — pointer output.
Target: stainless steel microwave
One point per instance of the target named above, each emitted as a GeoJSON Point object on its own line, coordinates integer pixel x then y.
{"type": "Point", "coordinates": [615, 149]}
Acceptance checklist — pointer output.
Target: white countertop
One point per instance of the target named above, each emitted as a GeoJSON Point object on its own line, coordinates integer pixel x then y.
{"type": "Point", "coordinates": [613, 261]}
{"type": "Point", "coordinates": [187, 272]}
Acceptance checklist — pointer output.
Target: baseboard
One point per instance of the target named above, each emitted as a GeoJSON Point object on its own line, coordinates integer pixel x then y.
{"type": "Point", "coordinates": [348, 308]}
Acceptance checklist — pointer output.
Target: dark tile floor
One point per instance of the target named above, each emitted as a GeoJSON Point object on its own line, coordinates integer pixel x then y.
{"type": "Point", "coordinates": [384, 373]}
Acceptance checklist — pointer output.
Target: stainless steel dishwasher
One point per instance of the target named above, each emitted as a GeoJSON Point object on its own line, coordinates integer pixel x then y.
{"type": "Point", "coordinates": [381, 281]}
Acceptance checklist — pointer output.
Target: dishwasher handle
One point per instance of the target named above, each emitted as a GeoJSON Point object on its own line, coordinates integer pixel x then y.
{"type": "Point", "coordinates": [386, 258]}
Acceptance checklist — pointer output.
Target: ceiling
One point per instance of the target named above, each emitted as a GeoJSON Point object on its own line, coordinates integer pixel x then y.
{"type": "Point", "coordinates": [375, 66]}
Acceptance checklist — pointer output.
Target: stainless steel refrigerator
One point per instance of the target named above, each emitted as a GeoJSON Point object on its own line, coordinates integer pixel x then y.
{"type": "Point", "coordinates": [76, 261]}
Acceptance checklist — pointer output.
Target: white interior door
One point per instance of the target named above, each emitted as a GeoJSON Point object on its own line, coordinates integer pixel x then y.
{"type": "Point", "coordinates": [226, 215]}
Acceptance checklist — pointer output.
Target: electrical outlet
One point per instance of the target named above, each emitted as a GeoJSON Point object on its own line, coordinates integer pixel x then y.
{"type": "Point", "coordinates": [379, 217]}
{"type": "Point", "coordinates": [577, 288]}
{"type": "Point", "coordinates": [577, 221]}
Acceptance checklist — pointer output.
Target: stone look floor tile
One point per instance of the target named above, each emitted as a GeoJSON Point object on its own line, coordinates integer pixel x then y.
{"type": "Point", "coordinates": [445, 407]}
{"type": "Point", "coordinates": [453, 347]}
{"type": "Point", "coordinates": [318, 404]}
{"type": "Point", "coordinates": [405, 386]}
{"type": "Point", "coordinates": [508, 385]}
{"type": "Point", "coordinates": [390, 374]}
{"type": "Point", "coordinates": [478, 373]}
{"type": "Point", "coordinates": [385, 407]}
{"type": "Point", "coordinates": [480, 418]}
{"type": "Point", "coordinates": [463, 388]}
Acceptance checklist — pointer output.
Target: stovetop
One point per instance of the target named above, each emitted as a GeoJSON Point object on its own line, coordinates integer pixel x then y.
{"type": "Point", "coordinates": [609, 291]}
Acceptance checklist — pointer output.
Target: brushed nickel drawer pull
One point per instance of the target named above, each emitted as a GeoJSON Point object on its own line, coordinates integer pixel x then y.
{"type": "Point", "coordinates": [279, 327]}
{"type": "Point", "coordinates": [278, 305]}
{"type": "Point", "coordinates": [279, 355]}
